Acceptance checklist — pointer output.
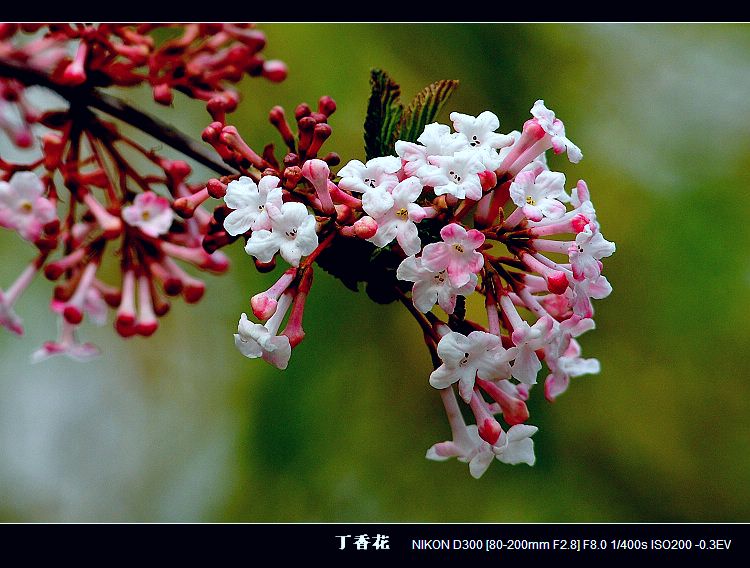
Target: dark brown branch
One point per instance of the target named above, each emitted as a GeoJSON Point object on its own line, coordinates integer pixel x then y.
{"type": "Point", "coordinates": [121, 110]}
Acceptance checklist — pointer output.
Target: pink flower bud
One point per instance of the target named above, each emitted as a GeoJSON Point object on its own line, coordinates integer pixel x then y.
{"type": "Point", "coordinates": [365, 227]}
{"type": "Point", "coordinates": [275, 71]}
{"type": "Point", "coordinates": [488, 179]}
{"type": "Point", "coordinates": [263, 306]}
{"type": "Point", "coordinates": [317, 172]}
{"type": "Point", "coordinates": [216, 189]}
{"type": "Point", "coordinates": [163, 94]}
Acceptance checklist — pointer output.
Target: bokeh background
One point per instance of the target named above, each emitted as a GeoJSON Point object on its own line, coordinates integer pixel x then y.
{"type": "Point", "coordinates": [180, 427]}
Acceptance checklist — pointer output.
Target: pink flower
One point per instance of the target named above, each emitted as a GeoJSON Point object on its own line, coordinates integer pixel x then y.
{"type": "Point", "coordinates": [23, 207]}
{"type": "Point", "coordinates": [432, 287]}
{"type": "Point", "coordinates": [150, 213]}
{"type": "Point", "coordinates": [456, 254]}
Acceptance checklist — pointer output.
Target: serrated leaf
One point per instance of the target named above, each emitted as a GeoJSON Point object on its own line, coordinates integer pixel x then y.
{"type": "Point", "coordinates": [384, 112]}
{"type": "Point", "coordinates": [424, 108]}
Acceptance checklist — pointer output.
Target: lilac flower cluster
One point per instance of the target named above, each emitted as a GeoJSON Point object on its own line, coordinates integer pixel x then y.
{"type": "Point", "coordinates": [465, 210]}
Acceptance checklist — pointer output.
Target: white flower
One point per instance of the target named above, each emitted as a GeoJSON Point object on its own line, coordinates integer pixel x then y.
{"type": "Point", "coordinates": [569, 365]}
{"type": "Point", "coordinates": [581, 291]}
{"type": "Point", "coordinates": [292, 234]}
{"type": "Point", "coordinates": [480, 131]}
{"type": "Point", "coordinates": [149, 212]}
{"type": "Point", "coordinates": [466, 356]}
{"type": "Point", "coordinates": [23, 207]}
{"type": "Point", "coordinates": [9, 319]}
{"type": "Point", "coordinates": [468, 447]}
{"type": "Point", "coordinates": [539, 195]}
{"type": "Point", "coordinates": [67, 345]}
{"type": "Point", "coordinates": [456, 253]}
{"type": "Point", "coordinates": [379, 199]}
{"type": "Point", "coordinates": [513, 447]}
{"type": "Point", "coordinates": [436, 140]}
{"type": "Point", "coordinates": [361, 178]}
{"type": "Point", "coordinates": [528, 339]}
{"type": "Point", "coordinates": [516, 446]}
{"type": "Point", "coordinates": [399, 221]}
{"type": "Point", "coordinates": [556, 129]}
{"type": "Point", "coordinates": [249, 202]}
{"type": "Point", "coordinates": [589, 248]}
{"type": "Point", "coordinates": [455, 175]}
{"type": "Point", "coordinates": [481, 136]}
{"type": "Point", "coordinates": [255, 340]}
{"type": "Point", "coordinates": [432, 287]}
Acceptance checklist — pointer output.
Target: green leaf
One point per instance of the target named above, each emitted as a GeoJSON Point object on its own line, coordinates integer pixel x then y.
{"type": "Point", "coordinates": [384, 112]}
{"type": "Point", "coordinates": [424, 108]}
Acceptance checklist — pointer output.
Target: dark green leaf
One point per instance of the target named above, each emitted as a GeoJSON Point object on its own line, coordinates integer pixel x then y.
{"type": "Point", "coordinates": [384, 112]}
{"type": "Point", "coordinates": [424, 108]}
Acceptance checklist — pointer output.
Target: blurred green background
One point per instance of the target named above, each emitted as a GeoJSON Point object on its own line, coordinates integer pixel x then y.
{"type": "Point", "coordinates": [180, 427]}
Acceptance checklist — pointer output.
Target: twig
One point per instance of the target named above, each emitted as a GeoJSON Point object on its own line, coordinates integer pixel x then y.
{"type": "Point", "coordinates": [94, 98]}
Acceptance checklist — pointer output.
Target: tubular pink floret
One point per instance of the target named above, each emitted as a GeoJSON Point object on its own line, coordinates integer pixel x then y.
{"type": "Point", "coordinates": [111, 225]}
{"type": "Point", "coordinates": [574, 224]}
{"type": "Point", "coordinates": [510, 312]}
{"type": "Point", "coordinates": [489, 427]}
{"type": "Point", "coordinates": [321, 133]}
{"type": "Point", "coordinates": [493, 319]}
{"type": "Point", "coordinates": [264, 304]}
{"type": "Point", "coordinates": [531, 133]}
{"type": "Point", "coordinates": [317, 172]}
{"type": "Point", "coordinates": [23, 281]}
{"type": "Point", "coordinates": [232, 138]}
{"type": "Point", "coordinates": [557, 280]}
{"type": "Point", "coordinates": [54, 270]}
{"type": "Point", "coordinates": [170, 283]}
{"type": "Point", "coordinates": [278, 119]}
{"type": "Point", "coordinates": [185, 206]}
{"type": "Point", "coordinates": [293, 329]}
{"type": "Point", "coordinates": [75, 73]}
{"type": "Point", "coordinates": [544, 245]}
{"type": "Point", "coordinates": [73, 312]}
{"type": "Point", "coordinates": [147, 322]}
{"type": "Point", "coordinates": [342, 197]}
{"type": "Point", "coordinates": [192, 288]}
{"type": "Point", "coordinates": [125, 319]}
{"type": "Point", "coordinates": [528, 156]}
{"type": "Point", "coordinates": [514, 409]}
{"type": "Point", "coordinates": [216, 262]}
